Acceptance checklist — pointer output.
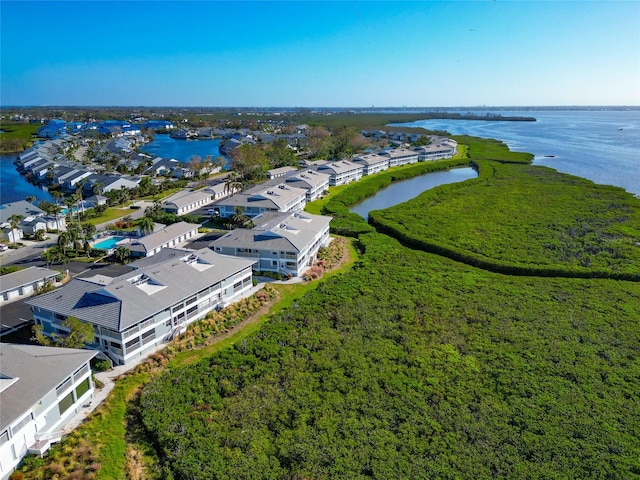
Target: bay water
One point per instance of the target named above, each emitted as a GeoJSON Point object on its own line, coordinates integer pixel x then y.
{"type": "Point", "coordinates": [602, 146]}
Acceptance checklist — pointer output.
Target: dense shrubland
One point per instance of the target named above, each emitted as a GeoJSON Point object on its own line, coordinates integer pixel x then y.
{"type": "Point", "coordinates": [524, 219]}
{"type": "Point", "coordinates": [414, 366]}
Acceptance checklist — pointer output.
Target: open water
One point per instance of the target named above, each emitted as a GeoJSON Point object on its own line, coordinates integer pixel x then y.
{"type": "Point", "coordinates": [166, 147]}
{"type": "Point", "coordinates": [602, 146]}
{"type": "Point", "coordinates": [404, 190]}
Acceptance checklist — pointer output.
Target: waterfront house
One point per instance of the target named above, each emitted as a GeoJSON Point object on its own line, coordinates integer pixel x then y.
{"type": "Point", "coordinates": [168, 236]}
{"type": "Point", "coordinates": [264, 198]}
{"type": "Point", "coordinates": [162, 166]}
{"type": "Point", "coordinates": [372, 163]}
{"type": "Point", "coordinates": [137, 311]}
{"type": "Point", "coordinates": [24, 283]}
{"type": "Point", "coordinates": [315, 183]}
{"type": "Point", "coordinates": [41, 390]}
{"type": "Point", "coordinates": [400, 156]}
{"type": "Point", "coordinates": [340, 172]}
{"type": "Point", "coordinates": [285, 243]}
{"type": "Point", "coordinates": [440, 147]}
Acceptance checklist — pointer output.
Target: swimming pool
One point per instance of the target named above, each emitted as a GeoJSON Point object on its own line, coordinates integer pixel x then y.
{"type": "Point", "coordinates": [108, 243]}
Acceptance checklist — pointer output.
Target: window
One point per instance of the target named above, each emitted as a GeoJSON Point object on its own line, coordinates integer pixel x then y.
{"type": "Point", "coordinates": [83, 388]}
{"type": "Point", "coordinates": [148, 334]}
{"type": "Point", "coordinates": [4, 438]}
{"type": "Point", "coordinates": [132, 343]}
{"type": "Point", "coordinates": [65, 403]}
{"type": "Point", "coordinates": [63, 386]}
{"type": "Point", "coordinates": [20, 425]}
{"type": "Point", "coordinates": [81, 371]}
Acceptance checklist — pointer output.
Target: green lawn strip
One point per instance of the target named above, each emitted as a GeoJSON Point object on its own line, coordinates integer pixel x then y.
{"type": "Point", "coordinates": [107, 426]}
{"type": "Point", "coordinates": [111, 214]}
{"type": "Point", "coordinates": [316, 207]}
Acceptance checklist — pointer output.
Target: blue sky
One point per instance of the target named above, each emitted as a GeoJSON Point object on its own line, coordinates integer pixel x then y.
{"type": "Point", "coordinates": [328, 54]}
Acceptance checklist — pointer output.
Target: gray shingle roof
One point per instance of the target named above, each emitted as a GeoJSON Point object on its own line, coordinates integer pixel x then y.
{"type": "Point", "coordinates": [38, 371]}
{"type": "Point", "coordinates": [276, 231]}
{"type": "Point", "coordinates": [21, 207]}
{"type": "Point", "coordinates": [277, 196]}
{"type": "Point", "coordinates": [25, 277]}
{"type": "Point", "coordinates": [121, 303]}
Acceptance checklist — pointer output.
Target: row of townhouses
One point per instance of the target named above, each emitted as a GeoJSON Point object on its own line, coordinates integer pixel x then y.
{"type": "Point", "coordinates": [289, 189]}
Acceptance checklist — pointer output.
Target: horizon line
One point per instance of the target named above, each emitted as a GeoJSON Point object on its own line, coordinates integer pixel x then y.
{"type": "Point", "coordinates": [276, 107]}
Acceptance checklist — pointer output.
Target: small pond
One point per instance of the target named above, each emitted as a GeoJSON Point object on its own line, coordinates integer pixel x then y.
{"type": "Point", "coordinates": [399, 192]}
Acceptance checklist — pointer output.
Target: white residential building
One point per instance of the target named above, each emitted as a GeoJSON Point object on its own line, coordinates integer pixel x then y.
{"type": "Point", "coordinates": [372, 163]}
{"type": "Point", "coordinates": [41, 389]}
{"type": "Point", "coordinates": [285, 243]}
{"type": "Point", "coordinates": [400, 156]}
{"type": "Point", "coordinates": [340, 172]}
{"type": "Point", "coordinates": [170, 236]}
{"type": "Point", "coordinates": [187, 201]}
{"type": "Point", "coordinates": [133, 313]}
{"type": "Point", "coordinates": [264, 198]}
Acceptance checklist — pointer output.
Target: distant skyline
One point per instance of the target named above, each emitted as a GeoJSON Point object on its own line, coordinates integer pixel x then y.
{"type": "Point", "coordinates": [314, 54]}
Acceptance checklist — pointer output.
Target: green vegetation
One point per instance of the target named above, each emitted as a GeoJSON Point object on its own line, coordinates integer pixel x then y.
{"type": "Point", "coordinates": [79, 334]}
{"type": "Point", "coordinates": [524, 219]}
{"type": "Point", "coordinates": [15, 137]}
{"type": "Point", "coordinates": [409, 360]}
{"type": "Point", "coordinates": [4, 270]}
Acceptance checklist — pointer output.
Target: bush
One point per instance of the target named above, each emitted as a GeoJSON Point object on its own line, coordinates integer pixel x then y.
{"type": "Point", "coordinates": [100, 365]}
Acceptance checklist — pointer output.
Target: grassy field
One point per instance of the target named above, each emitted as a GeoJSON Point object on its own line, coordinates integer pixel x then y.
{"type": "Point", "coordinates": [15, 137]}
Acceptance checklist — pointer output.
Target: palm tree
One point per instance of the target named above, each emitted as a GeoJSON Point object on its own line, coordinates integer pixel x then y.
{"type": "Point", "coordinates": [57, 195]}
{"type": "Point", "coordinates": [239, 218]}
{"type": "Point", "coordinates": [146, 224]}
{"type": "Point", "coordinates": [63, 242]}
{"type": "Point", "coordinates": [14, 222]}
{"type": "Point", "coordinates": [48, 257]}
{"type": "Point", "coordinates": [30, 198]}
{"type": "Point", "coordinates": [98, 188]}
{"type": "Point", "coordinates": [124, 195]}
{"type": "Point", "coordinates": [122, 254]}
{"type": "Point", "coordinates": [89, 229]}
